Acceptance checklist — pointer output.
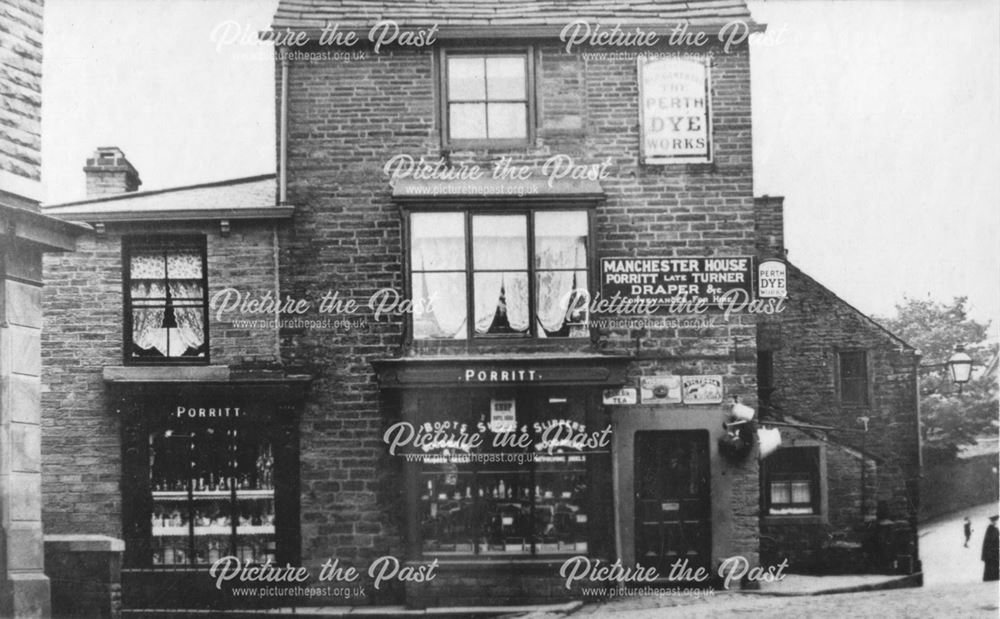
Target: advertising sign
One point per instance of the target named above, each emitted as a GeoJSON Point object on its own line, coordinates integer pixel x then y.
{"type": "Point", "coordinates": [674, 106]}
{"type": "Point", "coordinates": [772, 279]}
{"type": "Point", "coordinates": [625, 395]}
{"type": "Point", "coordinates": [705, 389]}
{"type": "Point", "coordinates": [660, 280]}
{"type": "Point", "coordinates": [503, 415]}
{"type": "Point", "coordinates": [663, 389]}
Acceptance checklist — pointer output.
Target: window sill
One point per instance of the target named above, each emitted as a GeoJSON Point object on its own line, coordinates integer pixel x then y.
{"type": "Point", "coordinates": [486, 144]}
{"type": "Point", "coordinates": [808, 519]}
{"type": "Point", "coordinates": [165, 373]}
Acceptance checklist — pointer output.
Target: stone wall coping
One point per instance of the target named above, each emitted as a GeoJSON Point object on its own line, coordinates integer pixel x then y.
{"type": "Point", "coordinates": [84, 543]}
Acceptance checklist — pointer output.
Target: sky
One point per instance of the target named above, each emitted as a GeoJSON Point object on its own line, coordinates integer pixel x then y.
{"type": "Point", "coordinates": [877, 120]}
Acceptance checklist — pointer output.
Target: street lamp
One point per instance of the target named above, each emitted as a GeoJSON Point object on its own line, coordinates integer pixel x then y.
{"type": "Point", "coordinates": [960, 367]}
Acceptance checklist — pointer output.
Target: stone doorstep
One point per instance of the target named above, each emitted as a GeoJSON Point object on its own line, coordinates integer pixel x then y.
{"type": "Point", "coordinates": [364, 611]}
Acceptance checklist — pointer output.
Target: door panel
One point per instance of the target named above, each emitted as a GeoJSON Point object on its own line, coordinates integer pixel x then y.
{"type": "Point", "coordinates": [672, 499]}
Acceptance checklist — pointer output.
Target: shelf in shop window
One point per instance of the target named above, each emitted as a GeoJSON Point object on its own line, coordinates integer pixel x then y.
{"type": "Point", "coordinates": [254, 494]}
{"type": "Point", "coordinates": [168, 495]}
{"type": "Point", "coordinates": [254, 529]}
{"type": "Point", "coordinates": [171, 531]}
{"type": "Point", "coordinates": [214, 529]}
{"type": "Point", "coordinates": [175, 495]}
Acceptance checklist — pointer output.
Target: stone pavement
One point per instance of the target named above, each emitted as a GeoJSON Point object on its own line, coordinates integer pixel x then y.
{"type": "Point", "coordinates": [683, 602]}
{"type": "Point", "coordinates": [961, 600]}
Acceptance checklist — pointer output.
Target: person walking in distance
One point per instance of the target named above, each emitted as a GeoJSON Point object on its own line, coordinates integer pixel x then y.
{"type": "Point", "coordinates": [967, 526]}
{"type": "Point", "coordinates": [991, 551]}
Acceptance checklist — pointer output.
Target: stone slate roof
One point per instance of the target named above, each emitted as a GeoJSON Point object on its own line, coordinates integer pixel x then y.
{"type": "Point", "coordinates": [253, 195]}
{"type": "Point", "coordinates": [314, 14]}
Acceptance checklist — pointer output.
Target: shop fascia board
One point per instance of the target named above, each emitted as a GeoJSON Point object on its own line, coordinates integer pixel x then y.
{"type": "Point", "coordinates": [554, 370]}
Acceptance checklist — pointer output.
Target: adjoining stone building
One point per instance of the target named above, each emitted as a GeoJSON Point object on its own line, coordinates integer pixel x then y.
{"type": "Point", "coordinates": [25, 235]}
{"type": "Point", "coordinates": [847, 387]}
{"type": "Point", "coordinates": [236, 368]}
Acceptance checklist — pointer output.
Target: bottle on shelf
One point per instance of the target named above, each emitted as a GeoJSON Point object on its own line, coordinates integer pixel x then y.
{"type": "Point", "coordinates": [213, 551]}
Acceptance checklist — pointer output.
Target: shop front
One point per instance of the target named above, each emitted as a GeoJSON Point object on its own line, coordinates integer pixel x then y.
{"type": "Point", "coordinates": [507, 467]}
{"type": "Point", "coordinates": [512, 484]}
{"type": "Point", "coordinates": [209, 470]}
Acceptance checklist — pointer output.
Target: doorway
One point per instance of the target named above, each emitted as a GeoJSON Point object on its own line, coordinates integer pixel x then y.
{"type": "Point", "coordinates": [672, 499]}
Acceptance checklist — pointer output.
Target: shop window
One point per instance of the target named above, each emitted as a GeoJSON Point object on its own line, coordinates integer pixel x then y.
{"type": "Point", "coordinates": [792, 482]}
{"type": "Point", "coordinates": [526, 272]}
{"type": "Point", "coordinates": [487, 98]}
{"type": "Point", "coordinates": [166, 300]}
{"type": "Point", "coordinates": [512, 499]}
{"type": "Point", "coordinates": [853, 377]}
{"type": "Point", "coordinates": [212, 494]}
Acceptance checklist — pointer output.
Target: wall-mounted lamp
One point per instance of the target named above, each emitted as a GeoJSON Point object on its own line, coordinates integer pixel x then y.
{"type": "Point", "coordinates": [960, 367]}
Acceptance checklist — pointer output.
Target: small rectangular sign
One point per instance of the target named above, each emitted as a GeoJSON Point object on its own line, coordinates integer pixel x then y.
{"type": "Point", "coordinates": [503, 416]}
{"type": "Point", "coordinates": [625, 395]}
{"type": "Point", "coordinates": [661, 389]}
{"type": "Point", "coordinates": [772, 279]}
{"type": "Point", "coordinates": [706, 389]}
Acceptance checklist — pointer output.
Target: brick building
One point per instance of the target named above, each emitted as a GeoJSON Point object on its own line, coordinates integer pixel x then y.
{"type": "Point", "coordinates": [496, 254]}
{"type": "Point", "coordinates": [437, 172]}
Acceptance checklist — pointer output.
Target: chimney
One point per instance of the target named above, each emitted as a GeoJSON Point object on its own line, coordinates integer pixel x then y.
{"type": "Point", "coordinates": [108, 173]}
{"type": "Point", "coordinates": [769, 226]}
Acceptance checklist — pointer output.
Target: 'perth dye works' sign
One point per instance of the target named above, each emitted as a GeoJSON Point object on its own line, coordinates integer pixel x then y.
{"type": "Point", "coordinates": [674, 111]}
{"type": "Point", "coordinates": [658, 281]}
{"type": "Point", "coordinates": [772, 279]}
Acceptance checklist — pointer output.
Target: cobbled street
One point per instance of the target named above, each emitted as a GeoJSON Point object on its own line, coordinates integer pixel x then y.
{"type": "Point", "coordinates": [952, 575]}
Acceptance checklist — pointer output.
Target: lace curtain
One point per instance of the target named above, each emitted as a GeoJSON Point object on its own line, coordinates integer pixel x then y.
{"type": "Point", "coordinates": [555, 288]}
{"type": "Point", "coordinates": [504, 287]}
{"type": "Point", "coordinates": [148, 333]}
{"type": "Point", "coordinates": [441, 295]}
{"type": "Point", "coordinates": [505, 292]}
{"type": "Point", "coordinates": [150, 274]}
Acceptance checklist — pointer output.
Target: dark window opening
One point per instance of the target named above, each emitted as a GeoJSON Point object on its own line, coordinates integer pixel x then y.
{"type": "Point", "coordinates": [765, 376]}
{"type": "Point", "coordinates": [853, 368]}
